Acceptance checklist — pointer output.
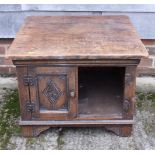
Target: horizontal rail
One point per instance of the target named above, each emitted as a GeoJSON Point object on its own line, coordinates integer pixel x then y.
{"type": "Point", "coordinates": [77, 122]}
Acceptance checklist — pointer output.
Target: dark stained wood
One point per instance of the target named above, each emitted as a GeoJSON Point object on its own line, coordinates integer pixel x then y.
{"type": "Point", "coordinates": [121, 130]}
{"type": "Point", "coordinates": [86, 62]}
{"type": "Point", "coordinates": [129, 92]}
{"type": "Point", "coordinates": [23, 92]}
{"type": "Point", "coordinates": [62, 80]}
{"type": "Point", "coordinates": [33, 131]}
{"type": "Point", "coordinates": [77, 37]}
{"type": "Point", "coordinates": [77, 71]}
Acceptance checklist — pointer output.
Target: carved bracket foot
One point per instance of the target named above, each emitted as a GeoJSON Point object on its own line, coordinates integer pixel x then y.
{"type": "Point", "coordinates": [121, 130]}
{"type": "Point", "coordinates": [33, 131]}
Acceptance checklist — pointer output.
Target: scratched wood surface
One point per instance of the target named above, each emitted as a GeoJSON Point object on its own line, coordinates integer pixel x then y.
{"type": "Point", "coordinates": [77, 37]}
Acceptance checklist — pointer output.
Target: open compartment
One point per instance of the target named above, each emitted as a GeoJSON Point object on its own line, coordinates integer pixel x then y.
{"type": "Point", "coordinates": [101, 92]}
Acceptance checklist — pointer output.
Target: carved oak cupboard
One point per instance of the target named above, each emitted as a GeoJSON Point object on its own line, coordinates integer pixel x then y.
{"type": "Point", "coordinates": [76, 71]}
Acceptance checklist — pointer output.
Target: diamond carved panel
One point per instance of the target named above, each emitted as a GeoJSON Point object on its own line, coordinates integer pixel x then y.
{"type": "Point", "coordinates": [52, 92]}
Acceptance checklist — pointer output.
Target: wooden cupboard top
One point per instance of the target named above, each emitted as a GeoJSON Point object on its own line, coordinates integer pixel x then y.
{"type": "Point", "coordinates": [77, 37]}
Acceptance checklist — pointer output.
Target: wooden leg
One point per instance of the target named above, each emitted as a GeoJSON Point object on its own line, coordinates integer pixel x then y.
{"type": "Point", "coordinates": [33, 131]}
{"type": "Point", "coordinates": [121, 130]}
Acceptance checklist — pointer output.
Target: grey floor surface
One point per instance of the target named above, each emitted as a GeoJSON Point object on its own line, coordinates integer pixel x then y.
{"type": "Point", "coordinates": [143, 136]}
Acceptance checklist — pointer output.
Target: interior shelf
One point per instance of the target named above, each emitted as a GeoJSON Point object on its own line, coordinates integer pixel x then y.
{"type": "Point", "coordinates": [100, 91]}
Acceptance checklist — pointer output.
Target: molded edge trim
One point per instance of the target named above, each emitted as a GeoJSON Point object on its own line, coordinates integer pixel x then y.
{"type": "Point", "coordinates": [77, 122]}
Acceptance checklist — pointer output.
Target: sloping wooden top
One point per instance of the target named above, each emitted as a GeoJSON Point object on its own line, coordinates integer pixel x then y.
{"type": "Point", "coordinates": [77, 37]}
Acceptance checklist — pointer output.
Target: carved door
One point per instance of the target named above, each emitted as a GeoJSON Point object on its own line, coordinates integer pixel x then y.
{"type": "Point", "coordinates": [52, 93]}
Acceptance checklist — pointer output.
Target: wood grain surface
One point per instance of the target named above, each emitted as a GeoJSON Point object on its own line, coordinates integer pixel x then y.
{"type": "Point", "coordinates": [77, 37]}
{"type": "Point", "coordinates": [77, 71]}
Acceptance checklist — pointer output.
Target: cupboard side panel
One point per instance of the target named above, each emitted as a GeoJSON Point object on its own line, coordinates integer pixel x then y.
{"type": "Point", "coordinates": [23, 90]}
{"type": "Point", "coordinates": [129, 92]}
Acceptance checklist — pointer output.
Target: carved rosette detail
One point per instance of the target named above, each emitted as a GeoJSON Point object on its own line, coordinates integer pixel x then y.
{"type": "Point", "coordinates": [52, 92]}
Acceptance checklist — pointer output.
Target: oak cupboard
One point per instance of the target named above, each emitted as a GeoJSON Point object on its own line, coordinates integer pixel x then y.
{"type": "Point", "coordinates": [76, 71]}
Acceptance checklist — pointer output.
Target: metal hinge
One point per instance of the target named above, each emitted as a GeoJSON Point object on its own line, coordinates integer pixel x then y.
{"type": "Point", "coordinates": [128, 78]}
{"type": "Point", "coordinates": [30, 107]}
{"type": "Point", "coordinates": [29, 80]}
{"type": "Point", "coordinates": [126, 105]}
